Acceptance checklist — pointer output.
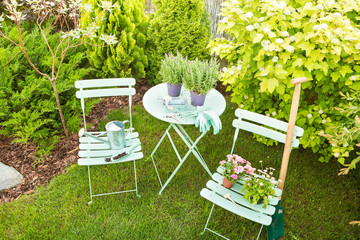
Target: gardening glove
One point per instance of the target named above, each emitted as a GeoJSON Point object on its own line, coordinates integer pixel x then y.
{"type": "Point", "coordinates": [202, 122]}
{"type": "Point", "coordinates": [206, 119]}
{"type": "Point", "coordinates": [213, 120]}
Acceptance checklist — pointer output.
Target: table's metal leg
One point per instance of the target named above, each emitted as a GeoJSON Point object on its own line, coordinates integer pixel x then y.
{"type": "Point", "coordinates": [191, 150]}
{"type": "Point", "coordinates": [162, 138]}
{"type": "Point", "coordinates": [179, 129]}
{"type": "Point", "coordinates": [189, 139]}
{"type": "Point", "coordinates": [189, 143]}
{"type": "Point", "coordinates": [174, 147]}
{"type": "Point", "coordinates": [157, 146]}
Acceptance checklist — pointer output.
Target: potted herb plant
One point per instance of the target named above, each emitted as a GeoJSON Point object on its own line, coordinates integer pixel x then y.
{"type": "Point", "coordinates": [172, 71]}
{"type": "Point", "coordinates": [260, 188]}
{"type": "Point", "coordinates": [234, 168]}
{"type": "Point", "coordinates": [200, 77]}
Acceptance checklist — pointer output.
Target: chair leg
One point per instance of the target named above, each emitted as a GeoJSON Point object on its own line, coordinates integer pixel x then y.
{"type": "Point", "coordinates": [212, 208]}
{"type": "Point", "coordinates": [259, 232]}
{"type": "Point", "coordinates": [136, 180]}
{"type": "Point", "coordinates": [90, 184]}
{"type": "Point", "coordinates": [210, 230]}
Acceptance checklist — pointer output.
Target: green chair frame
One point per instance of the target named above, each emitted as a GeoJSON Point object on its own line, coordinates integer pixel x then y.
{"type": "Point", "coordinates": [267, 127]}
{"type": "Point", "coordinates": [93, 152]}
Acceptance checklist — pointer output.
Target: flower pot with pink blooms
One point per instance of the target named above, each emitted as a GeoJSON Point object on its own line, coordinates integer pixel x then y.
{"type": "Point", "coordinates": [234, 168]}
{"type": "Point", "coordinates": [260, 187]}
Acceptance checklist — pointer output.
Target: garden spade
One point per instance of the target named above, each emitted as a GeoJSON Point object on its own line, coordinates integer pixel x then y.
{"type": "Point", "coordinates": [276, 229]}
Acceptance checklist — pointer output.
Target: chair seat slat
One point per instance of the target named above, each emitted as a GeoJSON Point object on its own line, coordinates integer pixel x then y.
{"type": "Point", "coordinates": [105, 152]}
{"type": "Point", "coordinates": [239, 210]}
{"type": "Point", "coordinates": [92, 140]}
{"type": "Point", "coordinates": [239, 186]}
{"type": "Point", "coordinates": [101, 161]}
{"type": "Point", "coordinates": [219, 177]}
{"type": "Point", "coordinates": [102, 146]}
{"type": "Point", "coordinates": [239, 198]}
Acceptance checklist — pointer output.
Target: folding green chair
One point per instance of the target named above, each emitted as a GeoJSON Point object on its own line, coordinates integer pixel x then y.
{"type": "Point", "coordinates": [268, 127]}
{"type": "Point", "coordinates": [97, 152]}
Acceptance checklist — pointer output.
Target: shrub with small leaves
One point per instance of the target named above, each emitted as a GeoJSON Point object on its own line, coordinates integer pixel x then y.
{"type": "Point", "coordinates": [273, 41]}
{"type": "Point", "coordinates": [28, 111]}
{"type": "Point", "coordinates": [344, 135]}
{"type": "Point", "coordinates": [177, 25]}
{"type": "Point", "coordinates": [128, 22]}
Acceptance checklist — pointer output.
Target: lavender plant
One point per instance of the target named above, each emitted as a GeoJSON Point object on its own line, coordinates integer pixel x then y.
{"type": "Point", "coordinates": [172, 69]}
{"type": "Point", "coordinates": [201, 76]}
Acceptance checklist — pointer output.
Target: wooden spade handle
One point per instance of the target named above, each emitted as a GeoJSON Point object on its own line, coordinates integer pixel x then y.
{"type": "Point", "coordinates": [299, 80]}
{"type": "Point", "coordinates": [290, 130]}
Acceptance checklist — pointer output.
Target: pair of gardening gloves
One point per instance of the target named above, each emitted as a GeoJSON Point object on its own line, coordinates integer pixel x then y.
{"type": "Point", "coordinates": [207, 118]}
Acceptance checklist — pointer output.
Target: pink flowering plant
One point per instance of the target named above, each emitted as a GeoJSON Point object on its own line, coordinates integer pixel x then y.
{"type": "Point", "coordinates": [235, 167]}
{"type": "Point", "coordinates": [260, 186]}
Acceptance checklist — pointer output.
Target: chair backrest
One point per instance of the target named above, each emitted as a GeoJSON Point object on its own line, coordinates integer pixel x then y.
{"type": "Point", "coordinates": [105, 88]}
{"type": "Point", "coordinates": [265, 126]}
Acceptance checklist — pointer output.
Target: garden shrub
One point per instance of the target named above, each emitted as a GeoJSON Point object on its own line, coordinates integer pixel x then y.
{"type": "Point", "coordinates": [272, 42]}
{"type": "Point", "coordinates": [28, 110]}
{"type": "Point", "coordinates": [177, 25]}
{"type": "Point", "coordinates": [128, 22]}
{"type": "Point", "coordinates": [344, 134]}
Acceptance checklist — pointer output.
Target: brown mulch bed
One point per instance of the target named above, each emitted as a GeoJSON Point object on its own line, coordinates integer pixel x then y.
{"type": "Point", "coordinates": [21, 157]}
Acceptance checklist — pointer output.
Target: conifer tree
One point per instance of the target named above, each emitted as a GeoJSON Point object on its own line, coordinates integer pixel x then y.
{"type": "Point", "coordinates": [177, 25]}
{"type": "Point", "coordinates": [128, 23]}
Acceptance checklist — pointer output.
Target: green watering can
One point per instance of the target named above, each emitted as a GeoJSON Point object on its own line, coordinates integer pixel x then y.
{"type": "Point", "coordinates": [115, 132]}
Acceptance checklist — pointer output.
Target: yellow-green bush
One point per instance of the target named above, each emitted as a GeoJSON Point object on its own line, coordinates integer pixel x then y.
{"type": "Point", "coordinates": [128, 23]}
{"type": "Point", "coordinates": [177, 25]}
{"type": "Point", "coordinates": [273, 41]}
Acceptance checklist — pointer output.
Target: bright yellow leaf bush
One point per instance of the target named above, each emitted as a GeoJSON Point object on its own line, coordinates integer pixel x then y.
{"type": "Point", "coordinates": [270, 42]}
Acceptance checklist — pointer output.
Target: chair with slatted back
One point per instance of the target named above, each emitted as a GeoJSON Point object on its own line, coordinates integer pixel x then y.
{"type": "Point", "coordinates": [94, 152]}
{"type": "Point", "coordinates": [267, 127]}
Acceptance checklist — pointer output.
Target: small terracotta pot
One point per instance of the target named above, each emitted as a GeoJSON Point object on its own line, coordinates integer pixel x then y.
{"type": "Point", "coordinates": [227, 183]}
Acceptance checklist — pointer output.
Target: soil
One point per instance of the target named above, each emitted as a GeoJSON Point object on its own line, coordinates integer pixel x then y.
{"type": "Point", "coordinates": [21, 156]}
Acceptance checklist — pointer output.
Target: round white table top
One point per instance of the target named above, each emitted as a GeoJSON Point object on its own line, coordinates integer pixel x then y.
{"type": "Point", "coordinates": [153, 103]}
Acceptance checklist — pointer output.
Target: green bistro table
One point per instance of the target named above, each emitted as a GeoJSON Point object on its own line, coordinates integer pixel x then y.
{"type": "Point", "coordinates": [154, 104]}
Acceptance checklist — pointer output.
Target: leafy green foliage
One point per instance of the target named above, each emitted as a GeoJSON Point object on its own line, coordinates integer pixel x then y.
{"type": "Point", "coordinates": [177, 25]}
{"type": "Point", "coordinates": [344, 135]}
{"type": "Point", "coordinates": [28, 109]}
{"type": "Point", "coordinates": [128, 23]}
{"type": "Point", "coordinates": [274, 41]}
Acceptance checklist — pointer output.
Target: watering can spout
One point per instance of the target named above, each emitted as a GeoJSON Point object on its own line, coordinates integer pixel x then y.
{"type": "Point", "coordinates": [83, 133]}
{"type": "Point", "coordinates": [115, 133]}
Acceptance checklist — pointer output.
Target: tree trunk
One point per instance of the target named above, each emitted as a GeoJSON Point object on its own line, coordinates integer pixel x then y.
{"type": "Point", "coordinates": [59, 107]}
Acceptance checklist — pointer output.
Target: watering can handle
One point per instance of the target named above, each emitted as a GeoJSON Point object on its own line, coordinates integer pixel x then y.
{"type": "Point", "coordinates": [130, 128]}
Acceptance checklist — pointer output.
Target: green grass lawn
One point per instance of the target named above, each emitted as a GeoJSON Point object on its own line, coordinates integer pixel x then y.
{"type": "Point", "coordinates": [317, 203]}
